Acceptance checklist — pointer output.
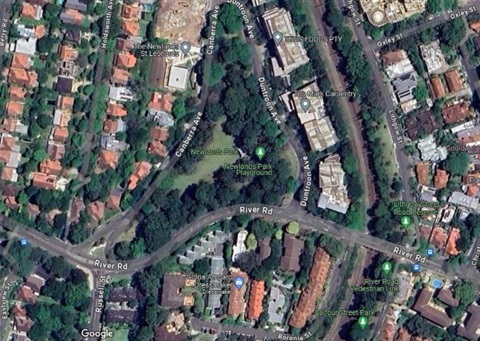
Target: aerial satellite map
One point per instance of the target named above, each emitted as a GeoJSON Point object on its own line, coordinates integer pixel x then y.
{"type": "Point", "coordinates": [240, 170]}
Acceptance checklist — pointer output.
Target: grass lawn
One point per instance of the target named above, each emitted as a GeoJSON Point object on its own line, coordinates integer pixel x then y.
{"type": "Point", "coordinates": [99, 251]}
{"type": "Point", "coordinates": [118, 278]}
{"type": "Point", "coordinates": [289, 155]}
{"type": "Point", "coordinates": [120, 334]}
{"type": "Point", "coordinates": [130, 233]}
{"type": "Point", "coordinates": [210, 163]}
{"type": "Point", "coordinates": [388, 152]}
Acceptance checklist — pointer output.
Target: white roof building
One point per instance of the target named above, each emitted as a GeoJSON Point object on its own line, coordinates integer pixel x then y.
{"type": "Point", "coordinates": [433, 57]}
{"type": "Point", "coordinates": [400, 68]}
{"type": "Point", "coordinates": [26, 31]}
{"type": "Point", "coordinates": [275, 306]}
{"type": "Point", "coordinates": [27, 46]}
{"type": "Point", "coordinates": [178, 78]}
{"type": "Point", "coordinates": [120, 93]}
{"type": "Point", "coordinates": [461, 199]}
{"type": "Point", "coordinates": [334, 194]}
{"type": "Point", "coordinates": [240, 246]}
{"type": "Point", "coordinates": [429, 151]}
{"type": "Point", "coordinates": [291, 53]}
{"type": "Point", "coordinates": [320, 134]}
{"type": "Point", "coordinates": [317, 108]}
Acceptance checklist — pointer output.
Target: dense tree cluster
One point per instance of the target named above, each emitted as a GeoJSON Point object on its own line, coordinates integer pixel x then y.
{"type": "Point", "coordinates": [61, 321]}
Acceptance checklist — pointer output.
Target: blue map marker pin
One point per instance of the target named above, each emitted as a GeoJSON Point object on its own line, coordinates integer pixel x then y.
{"type": "Point", "coordinates": [238, 282]}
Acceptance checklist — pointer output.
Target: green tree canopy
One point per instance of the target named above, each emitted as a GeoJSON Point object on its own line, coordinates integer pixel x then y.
{"type": "Point", "coordinates": [457, 163]}
{"type": "Point", "coordinates": [293, 228]}
{"type": "Point", "coordinates": [230, 18]}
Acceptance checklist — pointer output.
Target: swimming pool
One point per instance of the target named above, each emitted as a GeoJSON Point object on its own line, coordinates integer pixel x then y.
{"type": "Point", "coordinates": [437, 283]}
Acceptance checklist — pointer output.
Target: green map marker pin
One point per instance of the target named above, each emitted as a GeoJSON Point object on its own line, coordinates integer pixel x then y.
{"type": "Point", "coordinates": [362, 322]}
{"type": "Point", "coordinates": [406, 221]}
{"type": "Point", "coordinates": [387, 267]}
{"type": "Point", "coordinates": [260, 152]}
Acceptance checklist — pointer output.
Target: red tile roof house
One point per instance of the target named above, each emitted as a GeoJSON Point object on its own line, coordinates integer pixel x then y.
{"type": "Point", "coordinates": [114, 198]}
{"type": "Point", "coordinates": [96, 210]}
{"type": "Point", "coordinates": [77, 207]}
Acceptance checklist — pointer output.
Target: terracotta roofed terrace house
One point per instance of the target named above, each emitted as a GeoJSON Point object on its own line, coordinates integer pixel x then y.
{"type": "Point", "coordinates": [255, 307]}
{"type": "Point", "coordinates": [60, 134]}
{"type": "Point", "coordinates": [116, 110]}
{"type": "Point", "coordinates": [68, 53]}
{"type": "Point", "coordinates": [114, 198]}
{"type": "Point", "coordinates": [159, 133]}
{"type": "Point", "coordinates": [454, 81]}
{"type": "Point", "coordinates": [157, 148]}
{"type": "Point", "coordinates": [451, 247]}
{"type": "Point", "coordinates": [161, 102]}
{"type": "Point", "coordinates": [14, 109]}
{"type": "Point", "coordinates": [423, 169]}
{"type": "Point", "coordinates": [96, 210]}
{"type": "Point", "coordinates": [108, 159]}
{"type": "Point", "coordinates": [314, 289]}
{"type": "Point", "coordinates": [142, 169]}
{"type": "Point", "coordinates": [21, 61]}
{"type": "Point", "coordinates": [120, 76]}
{"type": "Point", "coordinates": [236, 301]}
{"type": "Point", "coordinates": [125, 60]}
{"type": "Point", "coordinates": [17, 93]}
{"type": "Point", "coordinates": [456, 113]}
{"type": "Point", "coordinates": [131, 12]}
{"type": "Point", "coordinates": [22, 77]}
{"type": "Point", "coordinates": [30, 11]}
{"type": "Point", "coordinates": [65, 102]}
{"type": "Point", "coordinates": [51, 167]}
{"type": "Point", "coordinates": [55, 150]}
{"type": "Point", "coordinates": [45, 181]}
{"type": "Point", "coordinates": [110, 126]}
{"type": "Point", "coordinates": [475, 26]}
{"type": "Point", "coordinates": [131, 28]}
{"type": "Point", "coordinates": [441, 179]}
{"type": "Point", "coordinates": [437, 87]}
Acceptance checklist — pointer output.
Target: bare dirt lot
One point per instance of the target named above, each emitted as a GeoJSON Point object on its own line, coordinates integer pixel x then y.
{"type": "Point", "coordinates": [180, 20]}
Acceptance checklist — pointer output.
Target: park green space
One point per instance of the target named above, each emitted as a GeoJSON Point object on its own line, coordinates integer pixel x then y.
{"type": "Point", "coordinates": [388, 151]}
{"type": "Point", "coordinates": [120, 334]}
{"type": "Point", "coordinates": [289, 154]}
{"type": "Point", "coordinates": [205, 168]}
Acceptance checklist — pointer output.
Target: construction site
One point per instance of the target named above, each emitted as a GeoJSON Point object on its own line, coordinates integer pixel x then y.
{"type": "Point", "coordinates": [180, 20]}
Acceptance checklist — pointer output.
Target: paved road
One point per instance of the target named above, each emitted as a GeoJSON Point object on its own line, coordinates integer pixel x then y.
{"type": "Point", "coordinates": [260, 334]}
{"type": "Point", "coordinates": [5, 8]}
{"type": "Point", "coordinates": [95, 310]}
{"type": "Point", "coordinates": [6, 286]}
